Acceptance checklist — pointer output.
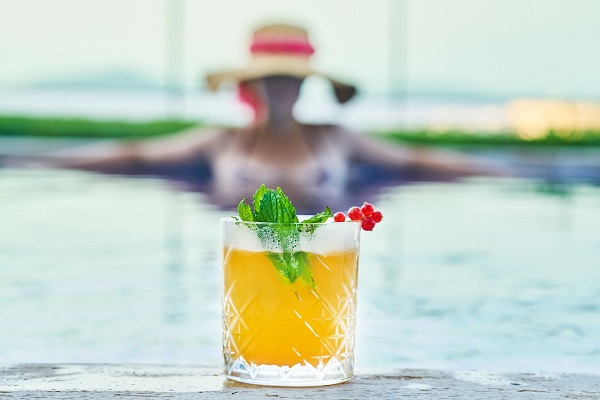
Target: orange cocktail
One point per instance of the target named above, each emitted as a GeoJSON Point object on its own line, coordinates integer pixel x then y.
{"type": "Point", "coordinates": [279, 332]}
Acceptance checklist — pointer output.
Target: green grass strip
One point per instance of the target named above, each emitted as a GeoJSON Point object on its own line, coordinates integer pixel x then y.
{"type": "Point", "coordinates": [99, 129]}
{"type": "Point", "coordinates": [460, 139]}
{"type": "Point", "coordinates": [88, 128]}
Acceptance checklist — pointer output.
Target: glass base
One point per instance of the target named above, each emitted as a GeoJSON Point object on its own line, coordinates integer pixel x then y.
{"type": "Point", "coordinates": [298, 375]}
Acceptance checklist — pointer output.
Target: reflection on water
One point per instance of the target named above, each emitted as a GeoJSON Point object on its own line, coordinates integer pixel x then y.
{"type": "Point", "coordinates": [484, 274]}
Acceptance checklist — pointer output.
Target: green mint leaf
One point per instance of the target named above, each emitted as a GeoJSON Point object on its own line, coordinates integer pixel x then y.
{"type": "Point", "coordinates": [288, 211]}
{"type": "Point", "coordinates": [245, 212]}
{"type": "Point", "coordinates": [275, 207]}
{"type": "Point", "coordinates": [320, 217]}
{"type": "Point", "coordinates": [287, 264]}
{"type": "Point", "coordinates": [293, 266]}
{"type": "Point", "coordinates": [305, 273]}
{"type": "Point", "coordinates": [260, 192]}
{"type": "Point", "coordinates": [307, 224]}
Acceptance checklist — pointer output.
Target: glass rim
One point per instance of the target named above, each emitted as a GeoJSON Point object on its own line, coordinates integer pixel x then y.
{"type": "Point", "coordinates": [329, 221]}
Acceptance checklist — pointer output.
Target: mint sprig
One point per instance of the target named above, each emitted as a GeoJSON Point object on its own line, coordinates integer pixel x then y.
{"type": "Point", "coordinates": [309, 224]}
{"type": "Point", "coordinates": [272, 205]}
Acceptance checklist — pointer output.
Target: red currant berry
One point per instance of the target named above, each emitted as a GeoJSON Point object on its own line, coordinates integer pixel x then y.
{"type": "Point", "coordinates": [368, 224]}
{"type": "Point", "coordinates": [367, 209]}
{"type": "Point", "coordinates": [355, 214]}
{"type": "Point", "coordinates": [377, 216]}
{"type": "Point", "coordinates": [339, 217]}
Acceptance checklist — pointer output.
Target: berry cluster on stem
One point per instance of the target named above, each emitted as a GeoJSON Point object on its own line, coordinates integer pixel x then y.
{"type": "Point", "coordinates": [366, 214]}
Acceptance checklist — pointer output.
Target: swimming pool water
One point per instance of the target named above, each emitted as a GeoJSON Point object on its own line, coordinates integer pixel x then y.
{"type": "Point", "coordinates": [493, 274]}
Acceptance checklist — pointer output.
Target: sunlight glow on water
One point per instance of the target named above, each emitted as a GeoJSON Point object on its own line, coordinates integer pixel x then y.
{"type": "Point", "coordinates": [478, 274]}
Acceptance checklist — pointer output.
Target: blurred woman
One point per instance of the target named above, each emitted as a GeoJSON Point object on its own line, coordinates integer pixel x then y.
{"type": "Point", "coordinates": [307, 161]}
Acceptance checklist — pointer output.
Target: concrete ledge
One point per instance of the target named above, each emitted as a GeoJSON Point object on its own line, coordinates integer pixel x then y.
{"type": "Point", "coordinates": [89, 381]}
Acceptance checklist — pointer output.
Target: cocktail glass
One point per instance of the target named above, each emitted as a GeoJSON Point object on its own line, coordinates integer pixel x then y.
{"type": "Point", "coordinates": [282, 333]}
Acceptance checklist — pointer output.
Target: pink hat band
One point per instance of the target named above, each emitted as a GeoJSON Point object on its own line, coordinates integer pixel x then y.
{"type": "Point", "coordinates": [286, 46]}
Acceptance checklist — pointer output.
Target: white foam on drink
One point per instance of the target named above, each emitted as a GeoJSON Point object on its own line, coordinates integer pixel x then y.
{"type": "Point", "coordinates": [331, 237]}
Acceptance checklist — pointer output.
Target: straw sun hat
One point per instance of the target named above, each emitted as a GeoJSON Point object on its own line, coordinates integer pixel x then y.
{"type": "Point", "coordinates": [279, 50]}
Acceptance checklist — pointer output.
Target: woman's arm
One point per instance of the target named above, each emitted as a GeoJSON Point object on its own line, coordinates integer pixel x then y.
{"type": "Point", "coordinates": [395, 158]}
{"type": "Point", "coordinates": [113, 155]}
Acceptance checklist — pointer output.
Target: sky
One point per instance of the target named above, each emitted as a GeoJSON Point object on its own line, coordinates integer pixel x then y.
{"type": "Point", "coordinates": [426, 47]}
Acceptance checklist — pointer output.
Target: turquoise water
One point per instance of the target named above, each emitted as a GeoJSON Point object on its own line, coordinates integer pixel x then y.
{"type": "Point", "coordinates": [493, 274]}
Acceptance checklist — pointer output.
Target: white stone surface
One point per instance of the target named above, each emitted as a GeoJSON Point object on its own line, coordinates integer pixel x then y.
{"type": "Point", "coordinates": [89, 381]}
